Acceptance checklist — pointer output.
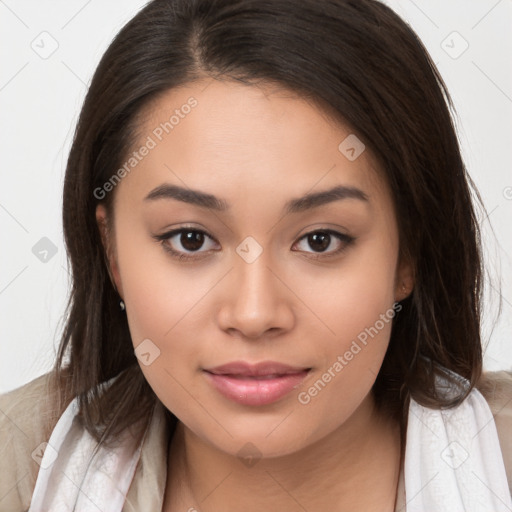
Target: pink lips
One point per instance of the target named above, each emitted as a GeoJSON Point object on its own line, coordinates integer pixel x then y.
{"type": "Point", "coordinates": [259, 384]}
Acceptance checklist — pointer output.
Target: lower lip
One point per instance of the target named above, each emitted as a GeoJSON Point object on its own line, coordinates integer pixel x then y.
{"type": "Point", "coordinates": [249, 391]}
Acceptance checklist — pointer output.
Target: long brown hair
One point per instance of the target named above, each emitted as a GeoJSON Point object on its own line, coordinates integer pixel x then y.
{"type": "Point", "coordinates": [360, 63]}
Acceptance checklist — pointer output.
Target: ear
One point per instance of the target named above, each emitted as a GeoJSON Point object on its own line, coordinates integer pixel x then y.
{"type": "Point", "coordinates": [108, 245]}
{"type": "Point", "coordinates": [404, 282]}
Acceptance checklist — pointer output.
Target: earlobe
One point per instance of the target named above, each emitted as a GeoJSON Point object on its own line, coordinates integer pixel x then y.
{"type": "Point", "coordinates": [106, 239]}
{"type": "Point", "coordinates": [404, 283]}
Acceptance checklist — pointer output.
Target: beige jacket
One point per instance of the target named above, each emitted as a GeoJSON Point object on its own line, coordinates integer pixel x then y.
{"type": "Point", "coordinates": [23, 414]}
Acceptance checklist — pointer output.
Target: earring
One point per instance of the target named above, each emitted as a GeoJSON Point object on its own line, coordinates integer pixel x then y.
{"type": "Point", "coordinates": [122, 306]}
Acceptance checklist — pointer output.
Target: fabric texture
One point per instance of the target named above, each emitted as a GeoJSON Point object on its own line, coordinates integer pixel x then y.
{"type": "Point", "coordinates": [453, 459]}
{"type": "Point", "coordinates": [73, 476]}
{"type": "Point", "coordinates": [456, 459]}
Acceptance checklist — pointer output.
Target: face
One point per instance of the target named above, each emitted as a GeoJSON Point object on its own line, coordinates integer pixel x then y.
{"type": "Point", "coordinates": [265, 277]}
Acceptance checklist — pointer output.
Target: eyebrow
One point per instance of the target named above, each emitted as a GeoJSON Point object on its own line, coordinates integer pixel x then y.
{"type": "Point", "coordinates": [211, 202]}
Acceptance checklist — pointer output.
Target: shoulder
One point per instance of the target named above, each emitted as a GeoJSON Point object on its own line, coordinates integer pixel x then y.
{"type": "Point", "coordinates": [496, 387]}
{"type": "Point", "coordinates": [27, 415]}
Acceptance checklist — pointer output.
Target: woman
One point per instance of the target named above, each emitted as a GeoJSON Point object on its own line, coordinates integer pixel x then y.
{"type": "Point", "coordinates": [276, 278]}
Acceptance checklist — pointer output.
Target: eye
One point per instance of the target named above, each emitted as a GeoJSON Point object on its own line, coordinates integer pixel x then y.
{"type": "Point", "coordinates": [182, 243]}
{"type": "Point", "coordinates": [184, 240]}
{"type": "Point", "coordinates": [321, 240]}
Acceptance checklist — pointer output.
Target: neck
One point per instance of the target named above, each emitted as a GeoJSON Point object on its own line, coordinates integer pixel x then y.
{"type": "Point", "coordinates": [356, 467]}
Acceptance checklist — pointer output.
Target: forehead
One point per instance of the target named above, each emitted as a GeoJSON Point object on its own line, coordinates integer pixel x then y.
{"type": "Point", "coordinates": [240, 139]}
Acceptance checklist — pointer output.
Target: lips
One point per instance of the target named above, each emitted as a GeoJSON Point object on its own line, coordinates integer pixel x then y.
{"type": "Point", "coordinates": [256, 384]}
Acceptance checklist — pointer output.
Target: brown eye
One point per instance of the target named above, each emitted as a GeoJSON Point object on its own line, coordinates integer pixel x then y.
{"type": "Point", "coordinates": [191, 240]}
{"type": "Point", "coordinates": [182, 243]}
{"type": "Point", "coordinates": [321, 240]}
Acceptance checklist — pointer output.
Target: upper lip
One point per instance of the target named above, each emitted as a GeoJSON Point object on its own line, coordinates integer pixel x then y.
{"type": "Point", "coordinates": [257, 369]}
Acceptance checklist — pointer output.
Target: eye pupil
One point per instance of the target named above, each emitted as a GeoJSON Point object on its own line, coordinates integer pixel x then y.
{"type": "Point", "coordinates": [192, 240]}
{"type": "Point", "coordinates": [323, 238]}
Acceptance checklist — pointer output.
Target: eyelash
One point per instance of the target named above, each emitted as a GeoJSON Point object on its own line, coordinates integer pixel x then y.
{"type": "Point", "coordinates": [346, 239]}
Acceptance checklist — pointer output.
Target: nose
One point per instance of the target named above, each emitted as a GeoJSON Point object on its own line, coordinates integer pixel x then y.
{"type": "Point", "coordinates": [257, 303]}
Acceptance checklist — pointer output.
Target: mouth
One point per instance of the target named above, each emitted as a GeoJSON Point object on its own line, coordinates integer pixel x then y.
{"type": "Point", "coordinates": [259, 384]}
{"type": "Point", "coordinates": [262, 369]}
{"type": "Point", "coordinates": [254, 377]}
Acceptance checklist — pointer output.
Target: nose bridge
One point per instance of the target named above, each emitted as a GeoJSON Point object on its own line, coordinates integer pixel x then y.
{"type": "Point", "coordinates": [258, 301]}
{"type": "Point", "coordinates": [255, 282]}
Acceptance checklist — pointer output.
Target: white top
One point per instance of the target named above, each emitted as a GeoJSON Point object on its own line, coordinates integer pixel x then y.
{"type": "Point", "coordinates": [453, 462]}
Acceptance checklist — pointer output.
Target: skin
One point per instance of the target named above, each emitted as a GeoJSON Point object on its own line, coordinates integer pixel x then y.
{"type": "Point", "coordinates": [256, 148]}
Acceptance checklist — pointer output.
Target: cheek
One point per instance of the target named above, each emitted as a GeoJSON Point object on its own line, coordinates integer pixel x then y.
{"type": "Point", "coordinates": [357, 306]}
{"type": "Point", "coordinates": [165, 305]}
{"type": "Point", "coordinates": [354, 297]}
{"type": "Point", "coordinates": [158, 292]}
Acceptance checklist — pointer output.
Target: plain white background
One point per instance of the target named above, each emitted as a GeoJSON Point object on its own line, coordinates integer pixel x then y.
{"type": "Point", "coordinates": [49, 51]}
